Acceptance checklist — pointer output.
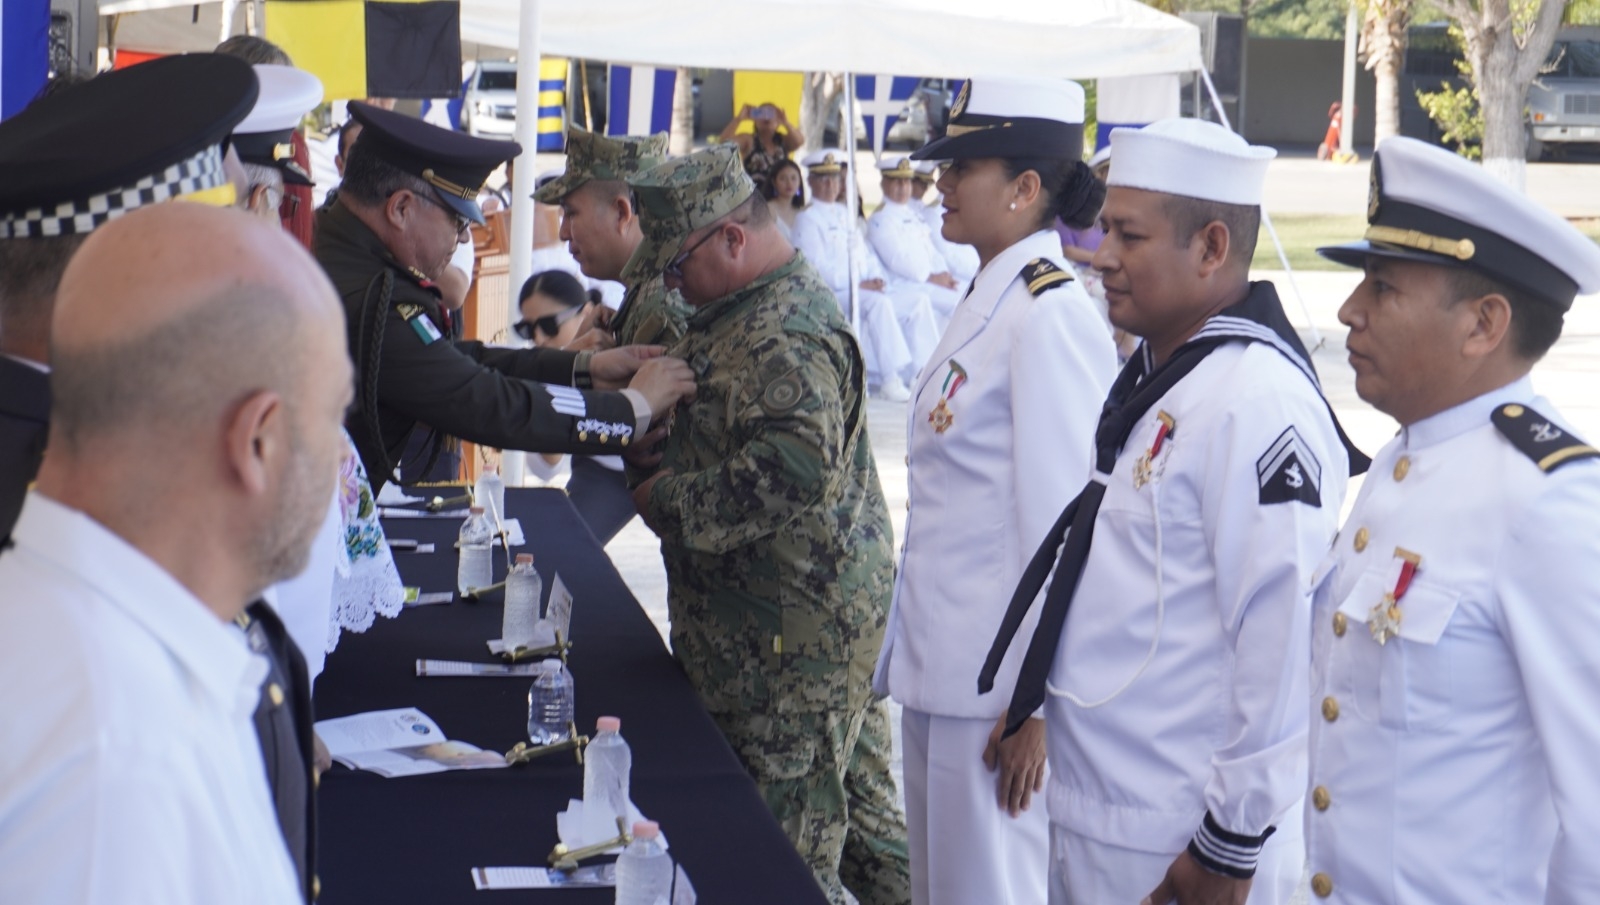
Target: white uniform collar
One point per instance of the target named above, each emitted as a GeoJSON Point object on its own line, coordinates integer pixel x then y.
{"type": "Point", "coordinates": [214, 654]}
{"type": "Point", "coordinates": [1473, 413]}
{"type": "Point", "coordinates": [991, 282]}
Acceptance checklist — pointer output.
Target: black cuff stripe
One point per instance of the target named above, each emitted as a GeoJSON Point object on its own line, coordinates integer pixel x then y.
{"type": "Point", "coordinates": [1227, 853]}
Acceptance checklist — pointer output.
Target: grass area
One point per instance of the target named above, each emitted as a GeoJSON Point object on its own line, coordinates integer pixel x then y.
{"type": "Point", "coordinates": [1302, 234]}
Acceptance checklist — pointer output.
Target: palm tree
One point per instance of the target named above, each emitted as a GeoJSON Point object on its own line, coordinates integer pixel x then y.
{"type": "Point", "coordinates": [1383, 44]}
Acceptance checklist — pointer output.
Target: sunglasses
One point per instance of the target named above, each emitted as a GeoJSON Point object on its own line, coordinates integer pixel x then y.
{"type": "Point", "coordinates": [674, 268]}
{"type": "Point", "coordinates": [549, 325]}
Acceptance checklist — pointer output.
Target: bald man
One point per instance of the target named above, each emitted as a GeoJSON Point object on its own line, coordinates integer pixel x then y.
{"type": "Point", "coordinates": [194, 443]}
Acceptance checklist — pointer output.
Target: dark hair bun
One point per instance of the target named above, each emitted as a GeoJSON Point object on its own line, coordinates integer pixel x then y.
{"type": "Point", "coordinates": [1082, 196]}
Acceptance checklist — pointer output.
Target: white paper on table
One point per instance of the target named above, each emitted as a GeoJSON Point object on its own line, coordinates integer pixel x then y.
{"type": "Point", "coordinates": [513, 529]}
{"type": "Point", "coordinates": [416, 597]}
{"type": "Point", "coordinates": [435, 758]}
{"type": "Point", "coordinates": [559, 610]}
{"type": "Point", "coordinates": [406, 727]}
{"type": "Point", "coordinates": [544, 635]}
{"type": "Point", "coordinates": [464, 668]}
{"type": "Point", "coordinates": [596, 875]}
{"type": "Point", "coordinates": [570, 827]}
{"type": "Point", "coordinates": [387, 512]}
{"type": "Point", "coordinates": [393, 495]}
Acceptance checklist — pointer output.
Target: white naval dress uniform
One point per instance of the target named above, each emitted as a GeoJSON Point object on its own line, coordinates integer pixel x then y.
{"type": "Point", "coordinates": [1179, 684]}
{"type": "Point", "coordinates": [983, 493]}
{"type": "Point", "coordinates": [1456, 761]}
{"type": "Point", "coordinates": [823, 232]}
{"type": "Point", "coordinates": [131, 770]}
{"type": "Point", "coordinates": [960, 260]}
{"type": "Point", "coordinates": [900, 237]}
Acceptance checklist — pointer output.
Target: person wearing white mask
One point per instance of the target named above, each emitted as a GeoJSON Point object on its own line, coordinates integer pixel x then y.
{"type": "Point", "coordinates": [999, 436]}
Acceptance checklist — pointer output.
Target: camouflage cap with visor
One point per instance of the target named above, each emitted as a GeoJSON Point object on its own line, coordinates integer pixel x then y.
{"type": "Point", "coordinates": [681, 196]}
{"type": "Point", "coordinates": [602, 158]}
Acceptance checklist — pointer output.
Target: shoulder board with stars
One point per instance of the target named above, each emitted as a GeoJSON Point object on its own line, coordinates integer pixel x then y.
{"type": "Point", "coordinates": [1042, 276]}
{"type": "Point", "coordinates": [1538, 438]}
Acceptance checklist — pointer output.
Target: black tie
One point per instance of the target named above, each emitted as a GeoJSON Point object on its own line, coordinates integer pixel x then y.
{"type": "Point", "coordinates": [1131, 396]}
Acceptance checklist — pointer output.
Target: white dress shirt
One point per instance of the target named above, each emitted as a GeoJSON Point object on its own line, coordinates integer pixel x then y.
{"type": "Point", "coordinates": [131, 772]}
{"type": "Point", "coordinates": [984, 491]}
{"type": "Point", "coordinates": [1180, 682]}
{"type": "Point", "coordinates": [1456, 761]}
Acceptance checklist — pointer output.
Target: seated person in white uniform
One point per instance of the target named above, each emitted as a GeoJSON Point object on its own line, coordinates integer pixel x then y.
{"type": "Point", "coordinates": [960, 259]}
{"type": "Point", "coordinates": [902, 240]}
{"type": "Point", "coordinates": [823, 233]}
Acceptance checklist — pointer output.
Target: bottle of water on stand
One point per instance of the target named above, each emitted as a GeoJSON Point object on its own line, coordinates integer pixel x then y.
{"type": "Point", "coordinates": [524, 590]}
{"type": "Point", "coordinates": [490, 492]}
{"type": "Point", "coordinates": [607, 761]}
{"type": "Point", "coordinates": [550, 704]}
{"type": "Point", "coordinates": [644, 869]}
{"type": "Point", "coordinates": [475, 563]}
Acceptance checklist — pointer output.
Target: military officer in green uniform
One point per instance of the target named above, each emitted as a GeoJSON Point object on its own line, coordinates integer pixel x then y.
{"type": "Point", "coordinates": [407, 198]}
{"type": "Point", "coordinates": [600, 225]}
{"type": "Point", "coordinates": [773, 524]}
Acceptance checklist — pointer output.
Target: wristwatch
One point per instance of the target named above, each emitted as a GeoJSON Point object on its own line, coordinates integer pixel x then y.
{"type": "Point", "coordinates": [582, 378]}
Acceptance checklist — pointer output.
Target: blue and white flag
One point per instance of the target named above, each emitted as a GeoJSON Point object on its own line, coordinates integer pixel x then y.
{"type": "Point", "coordinates": [881, 99]}
{"type": "Point", "coordinates": [24, 52]}
{"type": "Point", "coordinates": [640, 101]}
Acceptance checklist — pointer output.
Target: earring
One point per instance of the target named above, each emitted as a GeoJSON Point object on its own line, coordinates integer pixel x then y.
{"type": "Point", "coordinates": [1013, 205]}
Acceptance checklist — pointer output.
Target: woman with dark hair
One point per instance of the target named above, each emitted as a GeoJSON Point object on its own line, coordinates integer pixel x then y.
{"type": "Point", "coordinates": [772, 138]}
{"type": "Point", "coordinates": [1001, 431]}
{"type": "Point", "coordinates": [785, 182]}
{"type": "Point", "coordinates": [553, 304]}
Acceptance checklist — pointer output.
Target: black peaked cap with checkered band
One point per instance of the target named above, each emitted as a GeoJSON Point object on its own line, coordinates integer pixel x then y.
{"type": "Point", "coordinates": [120, 141]}
{"type": "Point", "coordinates": [454, 163]}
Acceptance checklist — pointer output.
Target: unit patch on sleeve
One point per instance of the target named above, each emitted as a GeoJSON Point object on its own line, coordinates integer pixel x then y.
{"type": "Point", "coordinates": [1287, 472]}
{"type": "Point", "coordinates": [1042, 276]}
{"type": "Point", "coordinates": [420, 322]}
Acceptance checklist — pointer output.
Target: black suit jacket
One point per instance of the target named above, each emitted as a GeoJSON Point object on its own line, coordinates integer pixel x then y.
{"type": "Point", "coordinates": [283, 726]}
{"type": "Point", "coordinates": [24, 419]}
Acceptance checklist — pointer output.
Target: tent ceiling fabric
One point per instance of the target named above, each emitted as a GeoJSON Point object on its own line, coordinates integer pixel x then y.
{"type": "Point", "coordinates": [1080, 39]}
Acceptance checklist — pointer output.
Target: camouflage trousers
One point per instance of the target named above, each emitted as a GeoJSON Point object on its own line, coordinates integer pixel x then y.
{"type": "Point", "coordinates": [826, 778]}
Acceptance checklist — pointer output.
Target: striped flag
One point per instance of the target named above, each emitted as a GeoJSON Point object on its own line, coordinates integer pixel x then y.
{"type": "Point", "coordinates": [372, 48]}
{"type": "Point", "coordinates": [881, 99]}
{"type": "Point", "coordinates": [640, 100]}
{"type": "Point", "coordinates": [552, 104]}
{"type": "Point", "coordinates": [24, 52]}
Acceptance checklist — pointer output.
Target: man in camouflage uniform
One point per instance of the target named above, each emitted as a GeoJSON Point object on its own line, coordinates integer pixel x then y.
{"type": "Point", "coordinates": [773, 524]}
{"type": "Point", "coordinates": [601, 229]}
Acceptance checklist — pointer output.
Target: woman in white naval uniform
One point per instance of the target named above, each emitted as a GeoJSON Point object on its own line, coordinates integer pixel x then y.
{"type": "Point", "coordinates": [823, 232]}
{"type": "Point", "coordinates": [960, 260]}
{"type": "Point", "coordinates": [1000, 438]}
{"type": "Point", "coordinates": [903, 242]}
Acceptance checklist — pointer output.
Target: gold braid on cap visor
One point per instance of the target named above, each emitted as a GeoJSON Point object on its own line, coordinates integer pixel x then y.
{"type": "Point", "coordinates": [1460, 249]}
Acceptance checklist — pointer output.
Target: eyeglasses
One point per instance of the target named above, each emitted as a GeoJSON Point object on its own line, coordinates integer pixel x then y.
{"type": "Point", "coordinates": [463, 224]}
{"type": "Point", "coordinates": [674, 268]}
{"type": "Point", "coordinates": [549, 325]}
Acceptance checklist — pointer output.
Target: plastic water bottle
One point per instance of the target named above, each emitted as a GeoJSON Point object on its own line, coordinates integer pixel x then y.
{"type": "Point", "coordinates": [475, 566]}
{"type": "Point", "coordinates": [607, 761]}
{"type": "Point", "coordinates": [524, 588]}
{"type": "Point", "coordinates": [644, 869]}
{"type": "Point", "coordinates": [550, 704]}
{"type": "Point", "coordinates": [490, 493]}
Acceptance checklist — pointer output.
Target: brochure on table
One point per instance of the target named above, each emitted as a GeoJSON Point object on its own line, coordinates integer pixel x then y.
{"type": "Point", "coordinates": [403, 742]}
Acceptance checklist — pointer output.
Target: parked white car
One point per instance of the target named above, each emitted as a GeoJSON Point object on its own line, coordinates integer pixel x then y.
{"type": "Point", "coordinates": [489, 102]}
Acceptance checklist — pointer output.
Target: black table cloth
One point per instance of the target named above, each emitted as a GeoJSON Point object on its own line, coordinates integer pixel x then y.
{"type": "Point", "coordinates": [415, 839]}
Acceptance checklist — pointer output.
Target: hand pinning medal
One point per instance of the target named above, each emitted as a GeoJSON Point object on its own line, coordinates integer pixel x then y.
{"type": "Point", "coordinates": [1384, 619]}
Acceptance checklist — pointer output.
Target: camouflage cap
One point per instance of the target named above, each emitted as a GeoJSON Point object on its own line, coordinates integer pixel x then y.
{"type": "Point", "coordinates": [603, 158]}
{"type": "Point", "coordinates": [681, 196]}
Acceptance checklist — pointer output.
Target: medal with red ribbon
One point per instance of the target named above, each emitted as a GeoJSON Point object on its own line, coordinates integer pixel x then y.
{"type": "Point", "coordinates": [1141, 469]}
{"type": "Point", "coordinates": [1384, 619]}
{"type": "Point", "coordinates": [941, 417]}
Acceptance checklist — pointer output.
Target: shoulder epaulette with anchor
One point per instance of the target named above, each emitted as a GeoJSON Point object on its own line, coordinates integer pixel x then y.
{"type": "Point", "coordinates": [1042, 276]}
{"type": "Point", "coordinates": [1538, 438]}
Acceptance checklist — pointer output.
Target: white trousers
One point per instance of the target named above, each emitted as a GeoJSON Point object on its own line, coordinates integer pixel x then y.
{"type": "Point", "coordinates": [964, 849]}
{"type": "Point", "coordinates": [918, 323]}
{"type": "Point", "coordinates": [883, 343]}
{"type": "Point", "coordinates": [1086, 872]}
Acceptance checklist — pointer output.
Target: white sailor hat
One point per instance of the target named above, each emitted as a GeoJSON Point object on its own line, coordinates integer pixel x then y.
{"type": "Point", "coordinates": [1427, 204]}
{"type": "Point", "coordinates": [266, 135]}
{"type": "Point", "coordinates": [926, 169]}
{"type": "Point", "coordinates": [898, 166]}
{"type": "Point", "coordinates": [825, 162]}
{"type": "Point", "coordinates": [1189, 157]}
{"type": "Point", "coordinates": [1012, 118]}
{"type": "Point", "coordinates": [1101, 157]}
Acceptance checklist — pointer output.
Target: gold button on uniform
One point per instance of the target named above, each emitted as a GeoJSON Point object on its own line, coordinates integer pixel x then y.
{"type": "Point", "coordinates": [1330, 709]}
{"type": "Point", "coordinates": [1402, 467]}
{"type": "Point", "coordinates": [1514, 411]}
{"type": "Point", "coordinates": [1322, 885]}
{"type": "Point", "coordinates": [1340, 623]}
{"type": "Point", "coordinates": [275, 694]}
{"type": "Point", "coordinates": [1362, 535]}
{"type": "Point", "coordinates": [1320, 798]}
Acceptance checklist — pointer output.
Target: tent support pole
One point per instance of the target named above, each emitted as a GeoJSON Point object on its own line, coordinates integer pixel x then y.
{"type": "Point", "coordinates": [522, 212]}
{"type": "Point", "coordinates": [850, 193]}
{"type": "Point", "coordinates": [1316, 335]}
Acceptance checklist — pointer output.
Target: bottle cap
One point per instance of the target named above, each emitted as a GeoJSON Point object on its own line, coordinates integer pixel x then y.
{"type": "Point", "coordinates": [524, 559]}
{"type": "Point", "coordinates": [646, 829]}
{"type": "Point", "coordinates": [475, 510]}
{"type": "Point", "coordinates": [608, 724]}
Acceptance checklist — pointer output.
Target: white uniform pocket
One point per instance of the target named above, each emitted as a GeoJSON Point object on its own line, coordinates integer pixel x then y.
{"type": "Point", "coordinates": [1406, 683]}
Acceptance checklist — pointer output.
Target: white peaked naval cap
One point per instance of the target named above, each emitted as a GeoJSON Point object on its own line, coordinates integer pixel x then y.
{"type": "Point", "coordinates": [1428, 204]}
{"type": "Point", "coordinates": [1189, 157]}
{"type": "Point", "coordinates": [1015, 117]}
{"type": "Point", "coordinates": [287, 95]}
